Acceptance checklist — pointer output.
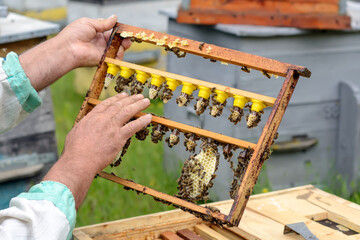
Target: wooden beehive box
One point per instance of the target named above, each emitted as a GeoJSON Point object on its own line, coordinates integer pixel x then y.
{"type": "Point", "coordinates": [325, 215]}
{"type": "Point", "coordinates": [309, 14]}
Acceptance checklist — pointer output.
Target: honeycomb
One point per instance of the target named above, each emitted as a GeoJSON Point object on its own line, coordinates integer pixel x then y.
{"type": "Point", "coordinates": [198, 173]}
{"type": "Point", "coordinates": [202, 177]}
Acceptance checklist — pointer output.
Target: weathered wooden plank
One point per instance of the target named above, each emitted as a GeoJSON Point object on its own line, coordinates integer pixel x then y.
{"type": "Point", "coordinates": [187, 128]}
{"type": "Point", "coordinates": [297, 202]}
{"type": "Point", "coordinates": [338, 211]}
{"type": "Point", "coordinates": [306, 21]}
{"type": "Point", "coordinates": [270, 6]}
{"type": "Point", "coordinates": [188, 235]}
{"type": "Point", "coordinates": [226, 233]}
{"type": "Point", "coordinates": [269, 101]}
{"type": "Point", "coordinates": [254, 226]}
{"type": "Point", "coordinates": [218, 53]}
{"type": "Point", "coordinates": [79, 235]}
{"type": "Point", "coordinates": [208, 233]}
{"type": "Point", "coordinates": [288, 216]}
{"type": "Point", "coordinates": [168, 235]}
{"type": "Point", "coordinates": [264, 143]}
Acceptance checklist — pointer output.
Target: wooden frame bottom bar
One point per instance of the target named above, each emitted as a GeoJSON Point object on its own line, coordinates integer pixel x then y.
{"type": "Point", "coordinates": [178, 202]}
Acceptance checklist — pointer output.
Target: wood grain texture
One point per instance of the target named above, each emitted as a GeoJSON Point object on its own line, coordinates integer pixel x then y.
{"type": "Point", "coordinates": [269, 101]}
{"type": "Point", "coordinates": [190, 129]}
{"type": "Point", "coordinates": [264, 143]}
{"type": "Point", "coordinates": [79, 235]}
{"type": "Point", "coordinates": [226, 233]}
{"type": "Point", "coordinates": [170, 236]}
{"type": "Point", "coordinates": [188, 235]}
{"type": "Point", "coordinates": [207, 233]}
{"type": "Point", "coordinates": [270, 6]}
{"type": "Point", "coordinates": [307, 21]}
{"type": "Point", "coordinates": [226, 55]}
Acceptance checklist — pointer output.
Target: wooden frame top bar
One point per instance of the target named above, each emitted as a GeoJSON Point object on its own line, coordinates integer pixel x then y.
{"type": "Point", "coordinates": [213, 52]}
{"type": "Point", "coordinates": [190, 129]}
{"type": "Point", "coordinates": [269, 101]}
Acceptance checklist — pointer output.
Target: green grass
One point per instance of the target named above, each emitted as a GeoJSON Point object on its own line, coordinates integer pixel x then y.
{"type": "Point", "coordinates": [142, 163]}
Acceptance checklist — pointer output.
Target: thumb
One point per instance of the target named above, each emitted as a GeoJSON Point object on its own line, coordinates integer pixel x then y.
{"type": "Point", "coordinates": [102, 25]}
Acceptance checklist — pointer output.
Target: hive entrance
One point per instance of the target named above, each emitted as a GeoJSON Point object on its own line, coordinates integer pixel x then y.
{"type": "Point", "coordinates": [199, 170]}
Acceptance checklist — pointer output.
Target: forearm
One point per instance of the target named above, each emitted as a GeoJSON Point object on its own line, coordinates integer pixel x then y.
{"type": "Point", "coordinates": [47, 62]}
{"type": "Point", "coordinates": [77, 178]}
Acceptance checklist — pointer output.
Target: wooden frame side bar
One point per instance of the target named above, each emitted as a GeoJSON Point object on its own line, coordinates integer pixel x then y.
{"type": "Point", "coordinates": [214, 52]}
{"type": "Point", "coordinates": [97, 83]}
{"type": "Point", "coordinates": [171, 199]}
{"type": "Point", "coordinates": [264, 143]}
{"type": "Point", "coordinates": [269, 101]}
{"type": "Point", "coordinates": [187, 128]}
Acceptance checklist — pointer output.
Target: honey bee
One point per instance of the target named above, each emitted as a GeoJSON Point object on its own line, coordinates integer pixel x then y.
{"type": "Point", "coordinates": [227, 151]}
{"type": "Point", "coordinates": [158, 131]}
{"type": "Point", "coordinates": [154, 91]}
{"type": "Point", "coordinates": [184, 99]}
{"type": "Point", "coordinates": [266, 74]}
{"type": "Point", "coordinates": [245, 69]}
{"type": "Point", "coordinates": [117, 161]}
{"type": "Point", "coordinates": [253, 119]}
{"type": "Point", "coordinates": [190, 141]}
{"type": "Point", "coordinates": [174, 138]}
{"type": "Point", "coordinates": [201, 105]}
{"type": "Point", "coordinates": [142, 134]}
{"type": "Point", "coordinates": [167, 95]}
{"type": "Point", "coordinates": [217, 108]}
{"type": "Point", "coordinates": [275, 137]}
{"type": "Point", "coordinates": [236, 115]}
{"type": "Point", "coordinates": [178, 53]}
{"type": "Point", "coordinates": [136, 87]}
{"type": "Point", "coordinates": [122, 82]}
{"type": "Point", "coordinates": [201, 45]}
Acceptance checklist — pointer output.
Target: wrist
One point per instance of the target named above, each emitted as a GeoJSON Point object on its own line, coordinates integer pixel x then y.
{"type": "Point", "coordinates": [75, 177]}
{"type": "Point", "coordinates": [41, 63]}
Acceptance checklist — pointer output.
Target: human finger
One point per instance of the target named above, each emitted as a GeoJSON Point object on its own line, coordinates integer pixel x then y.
{"type": "Point", "coordinates": [127, 102]}
{"type": "Point", "coordinates": [126, 43]}
{"type": "Point", "coordinates": [126, 113]}
{"type": "Point", "coordinates": [102, 25]}
{"type": "Point", "coordinates": [106, 103]}
{"type": "Point", "coordinates": [134, 126]}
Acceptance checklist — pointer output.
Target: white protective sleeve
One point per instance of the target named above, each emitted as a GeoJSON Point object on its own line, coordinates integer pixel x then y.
{"type": "Point", "coordinates": [46, 211]}
{"type": "Point", "coordinates": [17, 97]}
{"type": "Point", "coordinates": [33, 219]}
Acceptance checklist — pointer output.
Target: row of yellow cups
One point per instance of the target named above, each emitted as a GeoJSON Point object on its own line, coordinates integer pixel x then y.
{"type": "Point", "coordinates": [188, 88]}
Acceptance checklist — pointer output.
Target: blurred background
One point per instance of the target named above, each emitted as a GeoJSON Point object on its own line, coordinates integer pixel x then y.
{"type": "Point", "coordinates": [318, 138]}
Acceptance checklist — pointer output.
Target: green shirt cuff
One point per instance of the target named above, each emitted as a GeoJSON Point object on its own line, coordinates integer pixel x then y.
{"type": "Point", "coordinates": [20, 84]}
{"type": "Point", "coordinates": [59, 195]}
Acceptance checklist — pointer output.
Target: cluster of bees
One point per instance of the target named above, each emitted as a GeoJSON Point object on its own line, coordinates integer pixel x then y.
{"type": "Point", "coordinates": [198, 172]}
{"type": "Point", "coordinates": [164, 87]}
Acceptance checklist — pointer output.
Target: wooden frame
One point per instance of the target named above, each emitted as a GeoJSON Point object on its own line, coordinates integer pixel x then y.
{"type": "Point", "coordinates": [291, 72]}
